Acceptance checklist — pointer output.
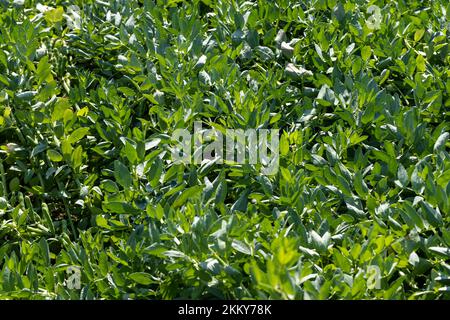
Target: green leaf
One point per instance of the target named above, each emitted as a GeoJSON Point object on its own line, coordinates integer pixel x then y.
{"type": "Point", "coordinates": [420, 63]}
{"type": "Point", "coordinates": [120, 207]}
{"type": "Point", "coordinates": [416, 180]}
{"type": "Point", "coordinates": [418, 34]}
{"type": "Point", "coordinates": [77, 157]}
{"type": "Point", "coordinates": [241, 247]}
{"type": "Point", "coordinates": [77, 135]}
{"type": "Point", "coordinates": [241, 203]}
{"type": "Point", "coordinates": [402, 175]}
{"type": "Point", "coordinates": [26, 95]}
{"type": "Point", "coordinates": [38, 149]}
{"type": "Point", "coordinates": [189, 193]}
{"type": "Point", "coordinates": [296, 73]}
{"type": "Point", "coordinates": [43, 71]}
{"type": "Point", "coordinates": [320, 243]}
{"type": "Point", "coordinates": [102, 222]}
{"type": "Point", "coordinates": [109, 186]}
{"type": "Point", "coordinates": [142, 278]}
{"type": "Point", "coordinates": [131, 152]}
{"type": "Point", "coordinates": [45, 251]}
{"type": "Point", "coordinates": [221, 192]}
{"type": "Point", "coordinates": [48, 218]}
{"type": "Point", "coordinates": [60, 107]}
{"type": "Point", "coordinates": [284, 145]}
{"type": "Point", "coordinates": [366, 51]}
{"type": "Point", "coordinates": [155, 171]}
{"type": "Point", "coordinates": [266, 185]}
{"type": "Point", "coordinates": [54, 15]}
{"type": "Point", "coordinates": [122, 175]}
{"type": "Point", "coordinates": [412, 214]}
{"type": "Point", "coordinates": [440, 142]}
{"type": "Point", "coordinates": [127, 91]}
{"type": "Point", "coordinates": [54, 155]}
{"type": "Point", "coordinates": [444, 252]}
{"type": "Point", "coordinates": [360, 186]}
{"type": "Point", "coordinates": [433, 216]}
{"type": "Point", "coordinates": [14, 184]}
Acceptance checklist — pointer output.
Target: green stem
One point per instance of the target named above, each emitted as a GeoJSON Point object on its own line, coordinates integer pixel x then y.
{"type": "Point", "coordinates": [4, 188]}
{"type": "Point", "coordinates": [66, 205]}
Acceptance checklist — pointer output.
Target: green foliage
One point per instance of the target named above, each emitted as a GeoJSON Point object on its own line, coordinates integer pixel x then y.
{"type": "Point", "coordinates": [89, 100]}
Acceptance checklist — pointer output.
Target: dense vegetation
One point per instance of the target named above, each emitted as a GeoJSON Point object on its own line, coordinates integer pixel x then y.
{"type": "Point", "coordinates": [89, 99]}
